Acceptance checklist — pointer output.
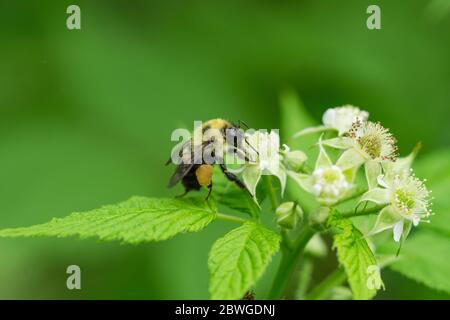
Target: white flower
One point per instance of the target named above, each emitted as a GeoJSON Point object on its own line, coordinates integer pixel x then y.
{"type": "Point", "coordinates": [342, 118]}
{"type": "Point", "coordinates": [374, 141]}
{"type": "Point", "coordinates": [329, 182]}
{"type": "Point", "coordinates": [407, 203]}
{"type": "Point", "coordinates": [338, 118]}
{"type": "Point", "coordinates": [265, 159]}
{"type": "Point", "coordinates": [366, 143]}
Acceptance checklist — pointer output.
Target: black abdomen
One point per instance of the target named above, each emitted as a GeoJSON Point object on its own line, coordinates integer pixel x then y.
{"type": "Point", "coordinates": [190, 181]}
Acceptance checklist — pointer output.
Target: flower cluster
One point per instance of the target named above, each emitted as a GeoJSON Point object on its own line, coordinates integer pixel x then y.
{"type": "Point", "coordinates": [403, 199]}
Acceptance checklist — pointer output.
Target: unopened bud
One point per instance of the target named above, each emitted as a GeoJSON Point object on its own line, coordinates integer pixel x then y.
{"type": "Point", "coordinates": [317, 247]}
{"type": "Point", "coordinates": [295, 160]}
{"type": "Point", "coordinates": [288, 214]}
{"type": "Point", "coordinates": [319, 216]}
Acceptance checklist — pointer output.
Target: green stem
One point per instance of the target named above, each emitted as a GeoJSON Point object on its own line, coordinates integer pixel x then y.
{"type": "Point", "coordinates": [286, 240]}
{"type": "Point", "coordinates": [288, 263]}
{"type": "Point", "coordinates": [354, 213]}
{"type": "Point", "coordinates": [304, 278]}
{"type": "Point", "coordinates": [322, 290]}
{"type": "Point", "coordinates": [271, 191]}
{"type": "Point", "coordinates": [227, 217]}
{"type": "Point", "coordinates": [350, 197]}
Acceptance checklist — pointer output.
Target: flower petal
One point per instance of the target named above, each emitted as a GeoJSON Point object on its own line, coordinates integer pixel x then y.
{"type": "Point", "coordinates": [387, 218]}
{"type": "Point", "coordinates": [377, 195]}
{"type": "Point", "coordinates": [381, 179]}
{"type": "Point", "coordinates": [416, 220]}
{"type": "Point", "coordinates": [342, 118]}
{"type": "Point", "coordinates": [350, 159]}
{"type": "Point", "coordinates": [373, 170]}
{"type": "Point", "coordinates": [398, 230]}
{"type": "Point", "coordinates": [339, 143]}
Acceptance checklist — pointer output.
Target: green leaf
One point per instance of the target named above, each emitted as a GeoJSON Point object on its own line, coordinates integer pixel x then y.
{"type": "Point", "coordinates": [226, 193]}
{"type": "Point", "coordinates": [295, 117]}
{"type": "Point", "coordinates": [436, 169]}
{"type": "Point", "coordinates": [238, 259]}
{"type": "Point", "coordinates": [356, 257]}
{"type": "Point", "coordinates": [136, 220]}
{"type": "Point", "coordinates": [423, 258]}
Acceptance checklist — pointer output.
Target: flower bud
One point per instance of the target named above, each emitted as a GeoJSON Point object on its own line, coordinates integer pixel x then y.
{"type": "Point", "coordinates": [295, 160]}
{"type": "Point", "coordinates": [319, 216]}
{"type": "Point", "coordinates": [288, 214]}
{"type": "Point", "coordinates": [317, 247]}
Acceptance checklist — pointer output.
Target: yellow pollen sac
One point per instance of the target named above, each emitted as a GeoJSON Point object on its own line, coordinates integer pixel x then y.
{"type": "Point", "coordinates": [204, 175]}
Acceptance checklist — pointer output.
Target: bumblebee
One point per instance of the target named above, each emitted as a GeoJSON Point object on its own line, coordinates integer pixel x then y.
{"type": "Point", "coordinates": [194, 176]}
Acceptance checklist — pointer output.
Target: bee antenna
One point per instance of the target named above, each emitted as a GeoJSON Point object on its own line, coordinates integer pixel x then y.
{"type": "Point", "coordinates": [236, 124]}
{"type": "Point", "coordinates": [242, 122]}
{"type": "Point", "coordinates": [248, 143]}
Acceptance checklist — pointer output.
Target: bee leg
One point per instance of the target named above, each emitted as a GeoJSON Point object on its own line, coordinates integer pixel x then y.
{"type": "Point", "coordinates": [232, 177]}
{"type": "Point", "coordinates": [209, 192]}
{"type": "Point", "coordinates": [183, 194]}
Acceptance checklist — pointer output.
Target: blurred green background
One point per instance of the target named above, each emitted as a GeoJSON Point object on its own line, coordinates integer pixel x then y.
{"type": "Point", "coordinates": [86, 115]}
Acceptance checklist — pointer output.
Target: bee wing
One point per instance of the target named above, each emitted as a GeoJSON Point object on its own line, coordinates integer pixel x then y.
{"type": "Point", "coordinates": [180, 173]}
{"type": "Point", "coordinates": [184, 168]}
